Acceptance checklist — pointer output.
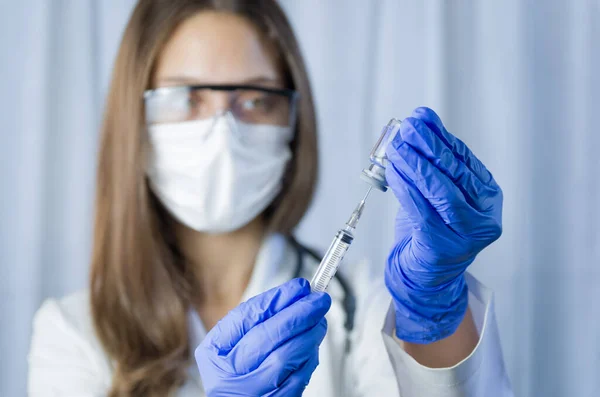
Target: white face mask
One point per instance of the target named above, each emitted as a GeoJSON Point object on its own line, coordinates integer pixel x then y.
{"type": "Point", "coordinates": [217, 175]}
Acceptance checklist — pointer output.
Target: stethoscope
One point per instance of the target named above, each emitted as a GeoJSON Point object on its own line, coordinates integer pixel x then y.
{"type": "Point", "coordinates": [348, 300]}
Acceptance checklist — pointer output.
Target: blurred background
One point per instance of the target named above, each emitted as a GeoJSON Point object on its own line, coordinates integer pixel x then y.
{"type": "Point", "coordinates": [517, 80]}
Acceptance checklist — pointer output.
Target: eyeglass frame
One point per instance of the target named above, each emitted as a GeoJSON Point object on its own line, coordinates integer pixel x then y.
{"type": "Point", "coordinates": [292, 94]}
{"type": "Point", "coordinates": [288, 92]}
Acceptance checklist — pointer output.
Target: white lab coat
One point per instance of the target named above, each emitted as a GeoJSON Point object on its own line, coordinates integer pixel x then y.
{"type": "Point", "coordinates": [67, 360]}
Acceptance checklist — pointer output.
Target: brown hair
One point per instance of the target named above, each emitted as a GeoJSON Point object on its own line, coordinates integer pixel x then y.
{"type": "Point", "coordinates": [140, 287]}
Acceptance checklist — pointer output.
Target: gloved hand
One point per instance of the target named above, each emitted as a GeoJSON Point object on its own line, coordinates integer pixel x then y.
{"type": "Point", "coordinates": [267, 346]}
{"type": "Point", "coordinates": [451, 209]}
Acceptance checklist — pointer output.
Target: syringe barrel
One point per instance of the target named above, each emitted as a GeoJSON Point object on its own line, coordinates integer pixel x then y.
{"type": "Point", "coordinates": [331, 261]}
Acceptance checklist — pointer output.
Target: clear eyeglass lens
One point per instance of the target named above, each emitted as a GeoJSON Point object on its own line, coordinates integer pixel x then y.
{"type": "Point", "coordinates": [179, 104]}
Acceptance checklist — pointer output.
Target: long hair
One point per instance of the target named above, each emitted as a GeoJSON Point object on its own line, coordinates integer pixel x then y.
{"type": "Point", "coordinates": [140, 287]}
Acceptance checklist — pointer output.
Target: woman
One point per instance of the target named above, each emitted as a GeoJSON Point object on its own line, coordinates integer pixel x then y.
{"type": "Point", "coordinates": [209, 144]}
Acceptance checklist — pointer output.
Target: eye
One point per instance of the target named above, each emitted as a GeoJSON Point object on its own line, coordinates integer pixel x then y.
{"type": "Point", "coordinates": [251, 101]}
{"type": "Point", "coordinates": [255, 104]}
{"type": "Point", "coordinates": [195, 99]}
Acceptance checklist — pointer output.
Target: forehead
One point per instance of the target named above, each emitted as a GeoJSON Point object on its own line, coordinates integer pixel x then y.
{"type": "Point", "coordinates": [216, 48]}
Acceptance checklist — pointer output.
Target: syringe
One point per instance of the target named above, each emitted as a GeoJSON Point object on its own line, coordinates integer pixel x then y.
{"type": "Point", "coordinates": [375, 176]}
{"type": "Point", "coordinates": [336, 251]}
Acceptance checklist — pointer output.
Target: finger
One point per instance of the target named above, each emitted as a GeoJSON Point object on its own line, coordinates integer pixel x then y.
{"type": "Point", "coordinates": [420, 137]}
{"type": "Point", "coordinates": [415, 207]}
{"type": "Point", "coordinates": [288, 361]}
{"type": "Point", "coordinates": [267, 337]}
{"type": "Point", "coordinates": [443, 195]}
{"type": "Point", "coordinates": [231, 329]}
{"type": "Point", "coordinates": [459, 149]}
{"type": "Point", "coordinates": [432, 225]}
{"type": "Point", "coordinates": [297, 381]}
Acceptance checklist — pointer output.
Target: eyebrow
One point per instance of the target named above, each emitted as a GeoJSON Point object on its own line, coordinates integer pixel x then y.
{"type": "Point", "coordinates": [190, 80]}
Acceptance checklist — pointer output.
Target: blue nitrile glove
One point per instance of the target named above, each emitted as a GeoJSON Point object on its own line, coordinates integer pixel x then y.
{"type": "Point", "coordinates": [267, 346]}
{"type": "Point", "coordinates": [451, 209]}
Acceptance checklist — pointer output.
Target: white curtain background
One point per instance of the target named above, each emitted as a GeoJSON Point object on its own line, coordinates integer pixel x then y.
{"type": "Point", "coordinates": [517, 80]}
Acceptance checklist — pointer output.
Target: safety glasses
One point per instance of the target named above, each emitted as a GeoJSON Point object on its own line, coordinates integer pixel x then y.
{"type": "Point", "coordinates": [250, 104]}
